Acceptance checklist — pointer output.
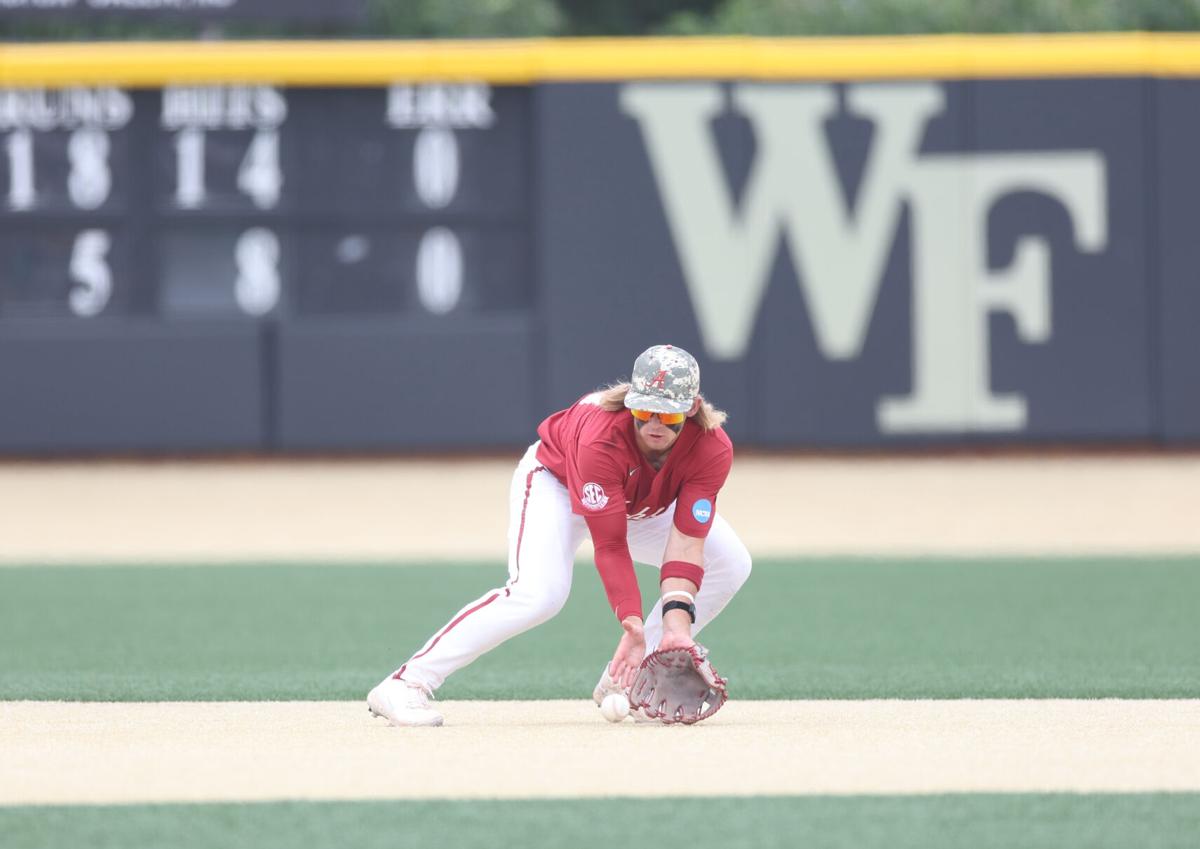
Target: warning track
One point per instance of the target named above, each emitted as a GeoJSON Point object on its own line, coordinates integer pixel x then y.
{"type": "Point", "coordinates": [394, 509]}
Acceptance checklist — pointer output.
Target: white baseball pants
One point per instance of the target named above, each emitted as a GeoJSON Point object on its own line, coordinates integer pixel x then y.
{"type": "Point", "coordinates": [543, 537]}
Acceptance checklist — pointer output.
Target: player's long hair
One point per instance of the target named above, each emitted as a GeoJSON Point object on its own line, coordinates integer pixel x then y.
{"type": "Point", "coordinates": [612, 398]}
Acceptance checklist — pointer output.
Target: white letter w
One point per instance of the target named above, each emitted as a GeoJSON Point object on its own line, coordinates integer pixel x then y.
{"type": "Point", "coordinates": [838, 248]}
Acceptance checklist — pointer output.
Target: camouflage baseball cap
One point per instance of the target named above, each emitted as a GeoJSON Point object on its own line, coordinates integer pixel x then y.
{"type": "Point", "coordinates": [665, 379]}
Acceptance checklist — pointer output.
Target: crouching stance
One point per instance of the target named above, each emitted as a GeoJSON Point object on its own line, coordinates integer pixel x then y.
{"type": "Point", "coordinates": [637, 467]}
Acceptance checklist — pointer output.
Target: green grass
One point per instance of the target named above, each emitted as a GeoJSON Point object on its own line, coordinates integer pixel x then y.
{"type": "Point", "coordinates": [1053, 821]}
{"type": "Point", "coordinates": [846, 628]}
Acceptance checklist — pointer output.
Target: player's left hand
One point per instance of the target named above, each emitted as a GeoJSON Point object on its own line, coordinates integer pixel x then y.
{"type": "Point", "coordinates": [678, 685]}
{"type": "Point", "coordinates": [630, 652]}
{"type": "Point", "coordinates": [676, 640]}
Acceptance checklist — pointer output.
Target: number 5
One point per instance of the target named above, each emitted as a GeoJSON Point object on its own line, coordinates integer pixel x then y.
{"type": "Point", "coordinates": [90, 270]}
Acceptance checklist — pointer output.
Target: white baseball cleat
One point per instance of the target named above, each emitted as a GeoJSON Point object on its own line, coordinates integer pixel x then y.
{"type": "Point", "coordinates": [606, 686]}
{"type": "Point", "coordinates": [402, 703]}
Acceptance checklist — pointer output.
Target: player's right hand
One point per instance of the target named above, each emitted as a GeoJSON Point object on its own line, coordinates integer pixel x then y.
{"type": "Point", "coordinates": [630, 651]}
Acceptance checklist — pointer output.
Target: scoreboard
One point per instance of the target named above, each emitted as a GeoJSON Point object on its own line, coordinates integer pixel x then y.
{"type": "Point", "coordinates": [264, 202]}
{"type": "Point", "coordinates": [257, 266]}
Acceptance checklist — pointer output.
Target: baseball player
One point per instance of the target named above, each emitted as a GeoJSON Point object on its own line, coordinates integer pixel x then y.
{"type": "Point", "coordinates": [636, 466]}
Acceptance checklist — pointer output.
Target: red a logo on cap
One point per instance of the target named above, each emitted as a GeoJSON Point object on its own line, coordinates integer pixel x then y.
{"type": "Point", "coordinates": [660, 380]}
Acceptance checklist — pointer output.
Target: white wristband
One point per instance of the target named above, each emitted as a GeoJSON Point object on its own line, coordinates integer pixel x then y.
{"type": "Point", "coordinates": [691, 599]}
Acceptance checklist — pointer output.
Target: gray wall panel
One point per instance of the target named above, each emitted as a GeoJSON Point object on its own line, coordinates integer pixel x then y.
{"type": "Point", "coordinates": [870, 264]}
{"type": "Point", "coordinates": [130, 385]}
{"type": "Point", "coordinates": [817, 395]}
{"type": "Point", "coordinates": [1178, 194]}
{"type": "Point", "coordinates": [368, 384]}
{"type": "Point", "coordinates": [865, 264]}
{"type": "Point", "coordinates": [1090, 377]}
{"type": "Point", "coordinates": [612, 282]}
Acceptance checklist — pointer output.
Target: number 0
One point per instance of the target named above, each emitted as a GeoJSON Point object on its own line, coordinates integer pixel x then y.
{"type": "Point", "coordinates": [435, 166]}
{"type": "Point", "coordinates": [439, 270]}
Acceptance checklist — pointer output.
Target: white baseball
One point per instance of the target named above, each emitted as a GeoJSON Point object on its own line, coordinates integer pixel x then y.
{"type": "Point", "coordinates": [615, 707]}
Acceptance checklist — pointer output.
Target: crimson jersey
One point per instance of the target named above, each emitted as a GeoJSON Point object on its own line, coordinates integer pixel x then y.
{"type": "Point", "coordinates": [594, 454]}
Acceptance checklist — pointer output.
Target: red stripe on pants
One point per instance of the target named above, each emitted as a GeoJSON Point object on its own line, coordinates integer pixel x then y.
{"type": "Point", "coordinates": [447, 629]}
{"type": "Point", "coordinates": [520, 535]}
{"type": "Point", "coordinates": [521, 530]}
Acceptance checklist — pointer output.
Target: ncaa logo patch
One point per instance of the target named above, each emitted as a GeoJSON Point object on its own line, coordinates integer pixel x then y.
{"type": "Point", "coordinates": [593, 497]}
{"type": "Point", "coordinates": [702, 511]}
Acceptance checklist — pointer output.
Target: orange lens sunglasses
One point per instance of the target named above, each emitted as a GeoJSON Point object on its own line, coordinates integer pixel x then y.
{"type": "Point", "coordinates": [665, 418]}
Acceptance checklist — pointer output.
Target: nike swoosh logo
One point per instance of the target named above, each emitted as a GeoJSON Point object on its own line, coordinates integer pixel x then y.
{"type": "Point", "coordinates": [632, 472]}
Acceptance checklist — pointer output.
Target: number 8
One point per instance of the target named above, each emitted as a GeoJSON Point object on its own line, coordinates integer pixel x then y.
{"type": "Point", "coordinates": [90, 179]}
{"type": "Point", "coordinates": [257, 258]}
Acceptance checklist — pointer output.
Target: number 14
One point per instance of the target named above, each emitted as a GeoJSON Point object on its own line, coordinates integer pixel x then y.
{"type": "Point", "coordinates": [259, 177]}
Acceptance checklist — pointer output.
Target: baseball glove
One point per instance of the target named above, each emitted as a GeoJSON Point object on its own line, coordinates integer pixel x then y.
{"type": "Point", "coordinates": [678, 685]}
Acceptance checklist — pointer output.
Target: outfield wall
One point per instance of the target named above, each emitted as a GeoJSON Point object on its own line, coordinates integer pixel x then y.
{"type": "Point", "coordinates": [346, 247]}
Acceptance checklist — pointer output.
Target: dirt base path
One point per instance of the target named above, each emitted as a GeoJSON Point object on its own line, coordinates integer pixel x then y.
{"type": "Point", "coordinates": [56, 753]}
{"type": "Point", "coordinates": [417, 509]}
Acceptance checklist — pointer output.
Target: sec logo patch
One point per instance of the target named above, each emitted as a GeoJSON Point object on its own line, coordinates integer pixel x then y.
{"type": "Point", "coordinates": [702, 511]}
{"type": "Point", "coordinates": [592, 496]}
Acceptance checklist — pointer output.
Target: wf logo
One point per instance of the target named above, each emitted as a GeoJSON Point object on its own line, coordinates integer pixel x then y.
{"type": "Point", "coordinates": [726, 247]}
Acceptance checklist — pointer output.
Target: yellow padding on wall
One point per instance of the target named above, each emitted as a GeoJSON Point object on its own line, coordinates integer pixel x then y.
{"type": "Point", "coordinates": [340, 63]}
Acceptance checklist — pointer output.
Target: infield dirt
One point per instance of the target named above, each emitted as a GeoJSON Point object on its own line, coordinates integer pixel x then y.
{"type": "Point", "coordinates": [56, 753]}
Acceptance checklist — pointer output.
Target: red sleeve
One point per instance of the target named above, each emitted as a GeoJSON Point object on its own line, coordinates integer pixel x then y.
{"type": "Point", "coordinates": [615, 565]}
{"type": "Point", "coordinates": [597, 482]}
{"type": "Point", "coordinates": [697, 501]}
